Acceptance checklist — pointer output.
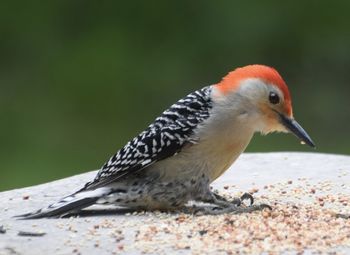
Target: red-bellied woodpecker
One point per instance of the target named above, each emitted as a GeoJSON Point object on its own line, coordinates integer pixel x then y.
{"type": "Point", "coordinates": [190, 145]}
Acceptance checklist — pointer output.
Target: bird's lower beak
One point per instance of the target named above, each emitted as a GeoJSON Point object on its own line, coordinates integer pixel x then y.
{"type": "Point", "coordinates": [296, 129]}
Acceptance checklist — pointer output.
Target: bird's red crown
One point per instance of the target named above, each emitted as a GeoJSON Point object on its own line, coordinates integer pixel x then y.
{"type": "Point", "coordinates": [232, 80]}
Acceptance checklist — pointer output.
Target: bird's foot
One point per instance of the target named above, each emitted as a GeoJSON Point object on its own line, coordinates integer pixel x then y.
{"type": "Point", "coordinates": [222, 205]}
{"type": "Point", "coordinates": [232, 209]}
{"type": "Point", "coordinates": [236, 201]}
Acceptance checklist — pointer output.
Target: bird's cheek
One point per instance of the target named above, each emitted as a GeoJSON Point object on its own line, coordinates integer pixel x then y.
{"type": "Point", "coordinates": [273, 125]}
{"type": "Point", "coordinates": [281, 128]}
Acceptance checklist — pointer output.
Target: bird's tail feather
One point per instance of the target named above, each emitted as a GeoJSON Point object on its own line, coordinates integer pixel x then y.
{"type": "Point", "coordinates": [68, 204]}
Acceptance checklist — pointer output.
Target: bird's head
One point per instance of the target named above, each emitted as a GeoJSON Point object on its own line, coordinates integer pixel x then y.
{"type": "Point", "coordinates": [261, 92]}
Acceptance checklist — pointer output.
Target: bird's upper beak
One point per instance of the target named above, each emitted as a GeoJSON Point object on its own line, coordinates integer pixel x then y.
{"type": "Point", "coordinates": [296, 129]}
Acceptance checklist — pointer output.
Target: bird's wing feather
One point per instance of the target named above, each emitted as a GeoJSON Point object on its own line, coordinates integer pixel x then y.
{"type": "Point", "coordinates": [163, 138]}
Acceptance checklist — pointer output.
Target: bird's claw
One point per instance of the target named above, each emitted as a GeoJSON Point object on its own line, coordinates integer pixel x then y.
{"type": "Point", "coordinates": [238, 200]}
{"type": "Point", "coordinates": [234, 206]}
{"type": "Point", "coordinates": [265, 206]}
{"type": "Point", "coordinates": [247, 196]}
{"type": "Point", "coordinates": [252, 208]}
{"type": "Point", "coordinates": [343, 216]}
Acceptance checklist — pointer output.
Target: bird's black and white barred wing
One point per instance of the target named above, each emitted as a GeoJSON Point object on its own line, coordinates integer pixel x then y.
{"type": "Point", "coordinates": [163, 138]}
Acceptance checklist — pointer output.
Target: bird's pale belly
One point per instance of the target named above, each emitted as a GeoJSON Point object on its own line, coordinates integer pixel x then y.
{"type": "Point", "coordinates": [219, 156]}
{"type": "Point", "coordinates": [212, 161]}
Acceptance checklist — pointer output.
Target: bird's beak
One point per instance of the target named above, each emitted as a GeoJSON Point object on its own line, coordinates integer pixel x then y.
{"type": "Point", "coordinates": [296, 129]}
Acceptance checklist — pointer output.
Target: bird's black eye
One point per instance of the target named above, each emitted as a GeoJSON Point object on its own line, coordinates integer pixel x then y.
{"type": "Point", "coordinates": [274, 98]}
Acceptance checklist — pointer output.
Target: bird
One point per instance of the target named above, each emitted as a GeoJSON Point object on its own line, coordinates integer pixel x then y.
{"type": "Point", "coordinates": [191, 144]}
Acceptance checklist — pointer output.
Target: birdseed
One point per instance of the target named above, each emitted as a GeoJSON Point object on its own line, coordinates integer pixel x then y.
{"type": "Point", "coordinates": [305, 217]}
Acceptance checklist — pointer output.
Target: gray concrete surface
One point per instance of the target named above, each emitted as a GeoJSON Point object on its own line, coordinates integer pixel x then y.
{"type": "Point", "coordinates": [92, 234]}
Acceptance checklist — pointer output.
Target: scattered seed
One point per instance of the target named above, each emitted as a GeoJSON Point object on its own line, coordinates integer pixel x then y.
{"type": "Point", "coordinates": [292, 225]}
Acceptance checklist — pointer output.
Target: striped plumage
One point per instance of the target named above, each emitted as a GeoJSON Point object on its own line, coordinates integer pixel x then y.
{"type": "Point", "coordinates": [163, 138]}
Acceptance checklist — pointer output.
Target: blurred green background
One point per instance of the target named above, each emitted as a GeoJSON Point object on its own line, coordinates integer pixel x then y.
{"type": "Point", "coordinates": [78, 79]}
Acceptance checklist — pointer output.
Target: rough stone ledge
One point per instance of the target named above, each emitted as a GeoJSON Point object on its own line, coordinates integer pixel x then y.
{"type": "Point", "coordinates": [117, 233]}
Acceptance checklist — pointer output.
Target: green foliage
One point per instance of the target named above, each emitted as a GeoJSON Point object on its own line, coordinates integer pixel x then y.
{"type": "Point", "coordinates": [78, 79]}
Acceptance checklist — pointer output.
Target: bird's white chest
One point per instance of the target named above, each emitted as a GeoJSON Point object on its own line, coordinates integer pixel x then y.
{"type": "Point", "coordinates": [212, 155]}
{"type": "Point", "coordinates": [219, 153]}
